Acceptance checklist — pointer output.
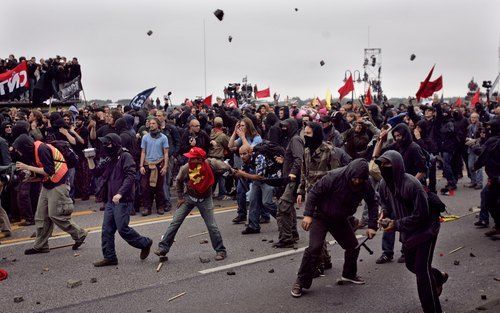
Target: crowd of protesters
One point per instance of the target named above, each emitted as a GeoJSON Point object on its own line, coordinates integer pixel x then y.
{"type": "Point", "coordinates": [269, 158]}
{"type": "Point", "coordinates": [60, 70]}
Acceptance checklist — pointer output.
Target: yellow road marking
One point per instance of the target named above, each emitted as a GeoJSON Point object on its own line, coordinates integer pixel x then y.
{"type": "Point", "coordinates": [136, 222]}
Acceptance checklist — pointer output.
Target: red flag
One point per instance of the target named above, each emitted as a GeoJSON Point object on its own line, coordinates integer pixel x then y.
{"type": "Point", "coordinates": [368, 96]}
{"type": "Point", "coordinates": [458, 103]}
{"type": "Point", "coordinates": [475, 99]}
{"type": "Point", "coordinates": [231, 102]}
{"type": "Point", "coordinates": [347, 88]}
{"type": "Point", "coordinates": [208, 101]}
{"type": "Point", "coordinates": [432, 87]}
{"type": "Point", "coordinates": [423, 85]}
{"type": "Point", "coordinates": [14, 82]}
{"type": "Point", "coordinates": [263, 93]}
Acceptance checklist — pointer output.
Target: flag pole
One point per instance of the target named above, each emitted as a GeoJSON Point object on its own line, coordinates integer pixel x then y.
{"type": "Point", "coordinates": [205, 57]}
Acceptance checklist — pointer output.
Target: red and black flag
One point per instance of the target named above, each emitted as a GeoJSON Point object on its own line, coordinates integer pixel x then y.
{"type": "Point", "coordinates": [14, 82]}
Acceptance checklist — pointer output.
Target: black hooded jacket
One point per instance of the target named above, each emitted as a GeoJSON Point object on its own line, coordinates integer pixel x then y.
{"type": "Point", "coordinates": [128, 141]}
{"type": "Point", "coordinates": [334, 197]}
{"type": "Point", "coordinates": [489, 155]}
{"type": "Point", "coordinates": [408, 203]}
{"type": "Point", "coordinates": [413, 157]}
{"type": "Point", "coordinates": [294, 151]}
{"type": "Point", "coordinates": [116, 175]}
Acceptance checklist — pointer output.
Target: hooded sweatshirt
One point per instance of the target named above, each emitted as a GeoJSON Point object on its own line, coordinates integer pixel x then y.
{"type": "Point", "coordinates": [407, 200]}
{"type": "Point", "coordinates": [489, 156]}
{"type": "Point", "coordinates": [413, 157]}
{"type": "Point", "coordinates": [334, 197]}
{"type": "Point", "coordinates": [294, 151]}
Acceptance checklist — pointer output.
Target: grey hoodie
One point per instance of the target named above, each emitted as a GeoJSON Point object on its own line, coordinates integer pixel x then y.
{"type": "Point", "coordinates": [408, 202]}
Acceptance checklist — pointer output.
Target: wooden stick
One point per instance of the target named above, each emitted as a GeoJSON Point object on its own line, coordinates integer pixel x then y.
{"type": "Point", "coordinates": [175, 297]}
{"type": "Point", "coordinates": [62, 246]}
{"type": "Point", "coordinates": [159, 267]}
{"type": "Point", "coordinates": [455, 250]}
{"type": "Point", "coordinates": [200, 234]}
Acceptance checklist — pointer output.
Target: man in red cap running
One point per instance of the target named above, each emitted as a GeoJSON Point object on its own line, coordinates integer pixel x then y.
{"type": "Point", "coordinates": [198, 175]}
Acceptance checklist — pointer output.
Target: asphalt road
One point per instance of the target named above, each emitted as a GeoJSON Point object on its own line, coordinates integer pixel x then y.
{"type": "Point", "coordinates": [136, 286]}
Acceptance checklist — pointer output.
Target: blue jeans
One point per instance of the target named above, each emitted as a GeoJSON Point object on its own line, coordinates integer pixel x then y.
{"type": "Point", "coordinates": [261, 200]}
{"type": "Point", "coordinates": [221, 182]}
{"type": "Point", "coordinates": [447, 169]}
{"type": "Point", "coordinates": [476, 177]}
{"type": "Point", "coordinates": [206, 208]}
{"type": "Point", "coordinates": [241, 197]}
{"type": "Point", "coordinates": [388, 240]}
{"type": "Point", "coordinates": [116, 218]}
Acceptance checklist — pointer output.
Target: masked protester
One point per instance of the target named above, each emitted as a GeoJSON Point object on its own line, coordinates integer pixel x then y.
{"type": "Point", "coordinates": [194, 189]}
{"type": "Point", "coordinates": [118, 174]}
{"type": "Point", "coordinates": [54, 204]}
{"type": "Point", "coordinates": [319, 158]}
{"type": "Point", "coordinates": [489, 157]}
{"type": "Point", "coordinates": [330, 203]}
{"type": "Point", "coordinates": [5, 228]}
{"type": "Point", "coordinates": [402, 196]}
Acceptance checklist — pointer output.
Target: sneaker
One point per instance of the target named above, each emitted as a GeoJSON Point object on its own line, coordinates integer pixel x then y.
{"type": "Point", "coordinates": [239, 219]}
{"type": "Point", "coordinates": [494, 232]}
{"type": "Point", "coordinates": [296, 290]}
{"type": "Point", "coordinates": [160, 252]}
{"type": "Point", "coordinates": [384, 258]}
{"type": "Point", "coordinates": [264, 220]}
{"type": "Point", "coordinates": [36, 251]}
{"type": "Point", "coordinates": [283, 245]}
{"type": "Point", "coordinates": [27, 223]}
{"type": "Point", "coordinates": [221, 255]}
{"type": "Point", "coordinates": [105, 262]}
{"type": "Point", "coordinates": [160, 211]}
{"type": "Point", "coordinates": [355, 280]}
{"type": "Point", "coordinates": [249, 230]}
{"type": "Point", "coordinates": [481, 224]}
{"type": "Point", "coordinates": [145, 251]}
{"type": "Point", "coordinates": [470, 185]}
{"type": "Point", "coordinates": [5, 234]}
{"type": "Point", "coordinates": [80, 241]}
{"type": "Point", "coordinates": [146, 212]}
{"type": "Point", "coordinates": [439, 289]}
{"type": "Point", "coordinates": [401, 259]}
{"type": "Point", "coordinates": [478, 187]}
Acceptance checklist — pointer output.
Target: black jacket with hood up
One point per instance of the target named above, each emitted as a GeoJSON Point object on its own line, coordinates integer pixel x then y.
{"type": "Point", "coordinates": [408, 203]}
{"type": "Point", "coordinates": [295, 149]}
{"type": "Point", "coordinates": [334, 198]}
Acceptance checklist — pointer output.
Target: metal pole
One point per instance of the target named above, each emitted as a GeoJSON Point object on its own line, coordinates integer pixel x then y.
{"type": "Point", "coordinates": [205, 57]}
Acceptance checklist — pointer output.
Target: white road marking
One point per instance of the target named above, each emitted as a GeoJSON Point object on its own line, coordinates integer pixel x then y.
{"type": "Point", "coordinates": [100, 230]}
{"type": "Point", "coordinates": [261, 259]}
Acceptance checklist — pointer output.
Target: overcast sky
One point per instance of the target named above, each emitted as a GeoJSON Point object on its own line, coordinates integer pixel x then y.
{"type": "Point", "coordinates": [272, 43]}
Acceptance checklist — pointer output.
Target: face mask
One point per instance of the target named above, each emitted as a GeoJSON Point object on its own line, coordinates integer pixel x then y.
{"type": "Point", "coordinates": [112, 151]}
{"type": "Point", "coordinates": [311, 143]}
{"type": "Point", "coordinates": [355, 187]}
{"type": "Point", "coordinates": [154, 133]}
{"type": "Point", "coordinates": [387, 175]}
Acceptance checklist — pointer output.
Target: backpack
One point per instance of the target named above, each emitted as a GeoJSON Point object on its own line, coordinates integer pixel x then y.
{"type": "Point", "coordinates": [65, 148]}
{"type": "Point", "coordinates": [270, 150]}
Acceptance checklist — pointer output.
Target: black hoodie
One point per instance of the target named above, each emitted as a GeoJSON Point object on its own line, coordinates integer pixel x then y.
{"type": "Point", "coordinates": [294, 151]}
{"type": "Point", "coordinates": [116, 175]}
{"type": "Point", "coordinates": [489, 156]}
{"type": "Point", "coordinates": [413, 157]}
{"type": "Point", "coordinates": [334, 197]}
{"type": "Point", "coordinates": [408, 203]}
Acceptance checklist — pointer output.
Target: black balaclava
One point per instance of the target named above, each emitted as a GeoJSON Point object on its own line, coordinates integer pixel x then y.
{"type": "Point", "coordinates": [317, 138]}
{"type": "Point", "coordinates": [25, 145]}
{"type": "Point", "coordinates": [19, 128]}
{"type": "Point", "coordinates": [388, 175]}
{"type": "Point", "coordinates": [116, 145]}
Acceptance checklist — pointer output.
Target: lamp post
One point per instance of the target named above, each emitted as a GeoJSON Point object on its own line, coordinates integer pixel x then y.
{"type": "Point", "coordinates": [354, 79]}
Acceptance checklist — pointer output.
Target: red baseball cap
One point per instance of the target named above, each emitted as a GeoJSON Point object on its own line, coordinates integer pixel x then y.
{"type": "Point", "coordinates": [195, 152]}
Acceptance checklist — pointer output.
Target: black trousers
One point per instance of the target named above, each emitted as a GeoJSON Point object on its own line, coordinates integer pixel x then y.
{"type": "Point", "coordinates": [492, 199]}
{"type": "Point", "coordinates": [343, 233]}
{"type": "Point", "coordinates": [419, 261]}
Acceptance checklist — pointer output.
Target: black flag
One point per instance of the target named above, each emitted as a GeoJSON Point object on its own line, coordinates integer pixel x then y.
{"type": "Point", "coordinates": [138, 101]}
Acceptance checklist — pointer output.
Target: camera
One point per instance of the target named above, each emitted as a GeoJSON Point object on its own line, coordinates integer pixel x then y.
{"type": "Point", "coordinates": [9, 173]}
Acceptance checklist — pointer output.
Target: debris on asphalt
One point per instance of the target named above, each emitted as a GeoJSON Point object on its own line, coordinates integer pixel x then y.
{"type": "Point", "coordinates": [175, 297]}
{"type": "Point", "coordinates": [18, 299]}
{"type": "Point", "coordinates": [271, 271]}
{"type": "Point", "coordinates": [148, 310]}
{"type": "Point", "coordinates": [199, 234]}
{"type": "Point", "coordinates": [76, 254]}
{"type": "Point", "coordinates": [231, 273]}
{"type": "Point", "coordinates": [483, 297]}
{"type": "Point", "coordinates": [456, 262]}
{"type": "Point", "coordinates": [264, 239]}
{"type": "Point", "coordinates": [45, 269]}
{"type": "Point", "coordinates": [496, 278]}
{"type": "Point", "coordinates": [455, 250]}
{"type": "Point", "coordinates": [204, 241]}
{"type": "Point", "coordinates": [441, 254]}
{"type": "Point", "coordinates": [33, 235]}
{"type": "Point", "coordinates": [360, 260]}
{"type": "Point", "coordinates": [38, 302]}
{"type": "Point", "coordinates": [472, 255]}
{"type": "Point", "coordinates": [251, 250]}
{"type": "Point", "coordinates": [73, 283]}
{"type": "Point", "coordinates": [93, 280]}
{"type": "Point", "coordinates": [204, 260]}
{"type": "Point", "coordinates": [270, 241]}
{"type": "Point", "coordinates": [158, 268]}
{"type": "Point", "coordinates": [3, 274]}
{"type": "Point", "coordinates": [481, 308]}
